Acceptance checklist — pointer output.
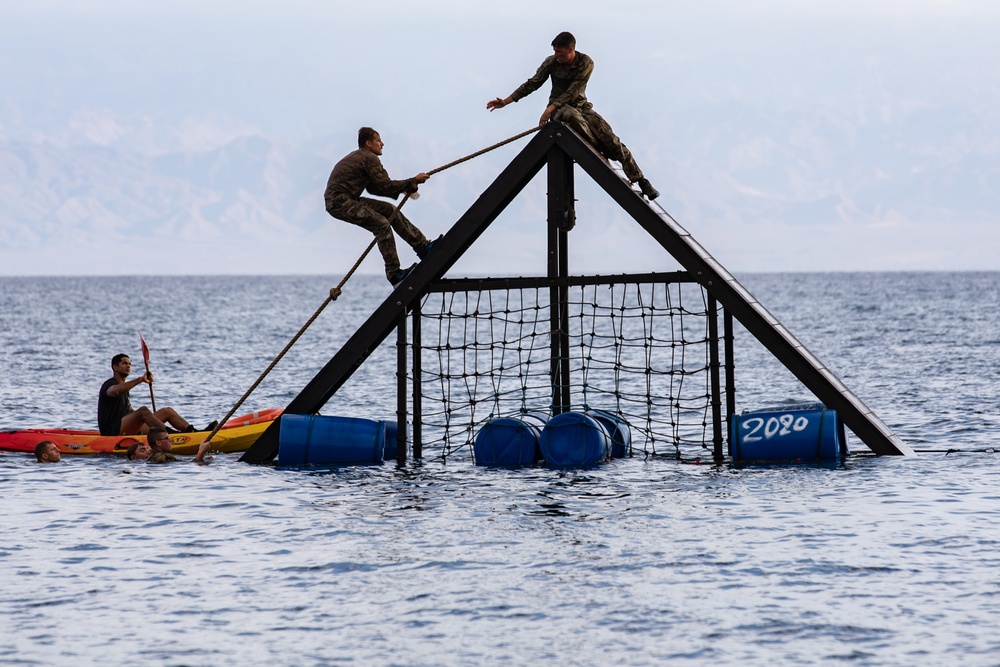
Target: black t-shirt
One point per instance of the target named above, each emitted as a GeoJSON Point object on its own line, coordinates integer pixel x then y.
{"type": "Point", "coordinates": [111, 410]}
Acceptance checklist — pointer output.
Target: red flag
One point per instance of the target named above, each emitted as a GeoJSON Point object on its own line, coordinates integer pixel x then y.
{"type": "Point", "coordinates": [145, 349]}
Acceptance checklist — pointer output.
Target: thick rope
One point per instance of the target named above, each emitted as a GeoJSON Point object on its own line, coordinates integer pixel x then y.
{"type": "Point", "coordinates": [485, 150]}
{"type": "Point", "coordinates": [336, 291]}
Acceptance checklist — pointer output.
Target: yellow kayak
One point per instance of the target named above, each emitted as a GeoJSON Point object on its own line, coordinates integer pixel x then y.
{"type": "Point", "coordinates": [236, 436]}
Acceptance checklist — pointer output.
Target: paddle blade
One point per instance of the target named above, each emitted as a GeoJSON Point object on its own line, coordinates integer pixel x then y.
{"type": "Point", "coordinates": [145, 349]}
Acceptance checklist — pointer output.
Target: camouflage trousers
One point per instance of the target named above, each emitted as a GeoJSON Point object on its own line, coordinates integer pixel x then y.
{"type": "Point", "coordinates": [375, 216]}
{"type": "Point", "coordinates": [591, 126]}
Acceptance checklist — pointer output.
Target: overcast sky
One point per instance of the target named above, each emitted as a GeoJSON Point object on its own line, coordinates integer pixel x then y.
{"type": "Point", "coordinates": [785, 135]}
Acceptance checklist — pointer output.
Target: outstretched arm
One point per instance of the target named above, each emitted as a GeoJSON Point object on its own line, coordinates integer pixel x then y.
{"type": "Point", "coordinates": [412, 183]}
{"type": "Point", "coordinates": [202, 448]}
{"type": "Point", "coordinates": [118, 389]}
{"type": "Point", "coordinates": [526, 88]}
{"type": "Point", "coordinates": [379, 183]}
{"type": "Point", "coordinates": [498, 103]}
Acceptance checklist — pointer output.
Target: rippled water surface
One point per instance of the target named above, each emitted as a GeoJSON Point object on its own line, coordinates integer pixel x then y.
{"type": "Point", "coordinates": [881, 561]}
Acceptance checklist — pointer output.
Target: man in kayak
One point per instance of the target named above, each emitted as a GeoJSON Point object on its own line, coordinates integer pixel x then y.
{"type": "Point", "coordinates": [362, 170]}
{"type": "Point", "coordinates": [47, 452]}
{"type": "Point", "coordinates": [570, 71]}
{"type": "Point", "coordinates": [115, 414]}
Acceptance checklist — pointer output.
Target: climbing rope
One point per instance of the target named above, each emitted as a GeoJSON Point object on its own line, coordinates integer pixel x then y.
{"type": "Point", "coordinates": [335, 292]}
{"type": "Point", "coordinates": [485, 150]}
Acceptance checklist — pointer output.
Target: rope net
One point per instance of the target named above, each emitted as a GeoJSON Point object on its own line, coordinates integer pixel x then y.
{"type": "Point", "coordinates": [639, 350]}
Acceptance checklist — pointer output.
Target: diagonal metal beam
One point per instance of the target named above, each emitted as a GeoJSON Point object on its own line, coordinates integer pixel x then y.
{"type": "Point", "coordinates": [381, 323]}
{"type": "Point", "coordinates": [735, 298]}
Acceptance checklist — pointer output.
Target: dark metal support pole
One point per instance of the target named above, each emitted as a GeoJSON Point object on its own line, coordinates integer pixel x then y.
{"type": "Point", "coordinates": [418, 446]}
{"type": "Point", "coordinates": [562, 218]}
{"type": "Point", "coordinates": [564, 377]}
{"type": "Point", "coordinates": [713, 365]}
{"type": "Point", "coordinates": [401, 388]}
{"type": "Point", "coordinates": [727, 329]}
{"type": "Point", "coordinates": [553, 274]}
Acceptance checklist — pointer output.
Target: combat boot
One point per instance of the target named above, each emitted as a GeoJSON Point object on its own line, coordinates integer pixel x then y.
{"type": "Point", "coordinates": [400, 275]}
{"type": "Point", "coordinates": [648, 189]}
{"type": "Point", "coordinates": [423, 253]}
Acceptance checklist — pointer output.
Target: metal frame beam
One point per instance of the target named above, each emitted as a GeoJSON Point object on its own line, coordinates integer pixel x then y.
{"type": "Point", "coordinates": [559, 145]}
{"type": "Point", "coordinates": [562, 218]}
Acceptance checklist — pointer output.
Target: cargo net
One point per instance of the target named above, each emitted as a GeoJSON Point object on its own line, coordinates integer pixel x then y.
{"type": "Point", "coordinates": [639, 350]}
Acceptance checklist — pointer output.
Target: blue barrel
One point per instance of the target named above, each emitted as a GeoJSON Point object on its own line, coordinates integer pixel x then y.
{"type": "Point", "coordinates": [336, 440]}
{"type": "Point", "coordinates": [574, 439]}
{"type": "Point", "coordinates": [618, 429]}
{"type": "Point", "coordinates": [391, 442]}
{"type": "Point", "coordinates": [808, 432]}
{"type": "Point", "coordinates": [509, 441]}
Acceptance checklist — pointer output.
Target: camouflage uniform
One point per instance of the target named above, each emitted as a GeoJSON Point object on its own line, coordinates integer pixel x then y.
{"type": "Point", "coordinates": [362, 170]}
{"type": "Point", "coordinates": [156, 456]}
{"type": "Point", "coordinates": [569, 88]}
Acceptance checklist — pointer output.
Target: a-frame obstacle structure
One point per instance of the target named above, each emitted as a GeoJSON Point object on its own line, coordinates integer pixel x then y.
{"type": "Point", "coordinates": [559, 148]}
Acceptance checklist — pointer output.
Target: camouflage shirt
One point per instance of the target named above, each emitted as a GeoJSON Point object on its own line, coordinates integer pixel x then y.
{"type": "Point", "coordinates": [360, 171]}
{"type": "Point", "coordinates": [569, 82]}
{"type": "Point", "coordinates": [156, 456]}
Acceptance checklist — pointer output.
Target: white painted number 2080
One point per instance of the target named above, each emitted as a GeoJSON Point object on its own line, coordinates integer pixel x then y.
{"type": "Point", "coordinates": [773, 426]}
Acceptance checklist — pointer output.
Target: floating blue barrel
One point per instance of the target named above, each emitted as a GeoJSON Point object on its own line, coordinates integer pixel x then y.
{"type": "Point", "coordinates": [808, 432]}
{"type": "Point", "coordinates": [391, 442]}
{"type": "Point", "coordinates": [574, 439]}
{"type": "Point", "coordinates": [618, 429]}
{"type": "Point", "coordinates": [509, 441]}
{"type": "Point", "coordinates": [336, 440]}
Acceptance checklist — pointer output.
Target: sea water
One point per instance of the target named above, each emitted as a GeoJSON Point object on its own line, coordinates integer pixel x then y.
{"type": "Point", "coordinates": [880, 561]}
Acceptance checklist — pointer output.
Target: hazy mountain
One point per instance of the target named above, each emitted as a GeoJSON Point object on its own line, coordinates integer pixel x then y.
{"type": "Point", "coordinates": [774, 175]}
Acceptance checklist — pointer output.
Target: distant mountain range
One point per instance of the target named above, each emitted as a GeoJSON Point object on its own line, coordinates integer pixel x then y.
{"type": "Point", "coordinates": [240, 188]}
{"type": "Point", "coordinates": [719, 166]}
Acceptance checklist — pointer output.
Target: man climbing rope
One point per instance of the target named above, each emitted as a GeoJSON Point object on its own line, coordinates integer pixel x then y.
{"type": "Point", "coordinates": [570, 70]}
{"type": "Point", "coordinates": [362, 170]}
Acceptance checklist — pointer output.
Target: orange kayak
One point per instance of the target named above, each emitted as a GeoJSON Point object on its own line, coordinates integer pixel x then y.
{"type": "Point", "coordinates": [235, 436]}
